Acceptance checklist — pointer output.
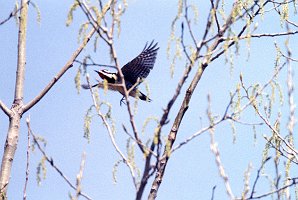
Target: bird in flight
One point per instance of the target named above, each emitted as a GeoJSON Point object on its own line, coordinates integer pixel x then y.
{"type": "Point", "coordinates": [134, 72]}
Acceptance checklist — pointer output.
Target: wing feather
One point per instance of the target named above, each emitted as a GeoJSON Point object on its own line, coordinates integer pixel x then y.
{"type": "Point", "coordinates": [141, 65]}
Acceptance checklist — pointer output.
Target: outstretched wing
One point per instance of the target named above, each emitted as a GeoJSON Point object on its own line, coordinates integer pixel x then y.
{"type": "Point", "coordinates": [140, 66]}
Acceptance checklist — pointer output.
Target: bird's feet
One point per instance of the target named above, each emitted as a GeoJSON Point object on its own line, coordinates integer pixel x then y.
{"type": "Point", "coordinates": [122, 101]}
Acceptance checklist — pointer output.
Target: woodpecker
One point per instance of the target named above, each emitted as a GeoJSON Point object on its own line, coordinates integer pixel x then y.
{"type": "Point", "coordinates": [134, 72]}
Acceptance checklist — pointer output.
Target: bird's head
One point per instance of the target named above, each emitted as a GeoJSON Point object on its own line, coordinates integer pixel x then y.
{"type": "Point", "coordinates": [111, 77]}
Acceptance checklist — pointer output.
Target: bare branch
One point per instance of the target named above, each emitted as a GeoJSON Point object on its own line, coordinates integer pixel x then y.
{"type": "Point", "coordinates": [263, 35]}
{"type": "Point", "coordinates": [66, 67]}
{"type": "Point", "coordinates": [282, 151]}
{"type": "Point", "coordinates": [215, 150]}
{"type": "Point", "coordinates": [291, 102]}
{"type": "Point", "coordinates": [182, 43]}
{"type": "Point", "coordinates": [51, 161]}
{"type": "Point", "coordinates": [93, 64]}
{"type": "Point", "coordinates": [291, 147]}
{"type": "Point", "coordinates": [80, 176]}
{"type": "Point", "coordinates": [203, 130]}
{"type": "Point", "coordinates": [162, 122]}
{"type": "Point", "coordinates": [188, 23]}
{"type": "Point", "coordinates": [258, 176]}
{"type": "Point", "coordinates": [185, 104]}
{"type": "Point", "coordinates": [144, 146]}
{"type": "Point", "coordinates": [13, 13]}
{"type": "Point", "coordinates": [111, 135]}
{"type": "Point", "coordinates": [294, 181]}
{"type": "Point", "coordinates": [288, 57]}
{"type": "Point", "coordinates": [259, 92]}
{"type": "Point", "coordinates": [109, 41]}
{"type": "Point", "coordinates": [214, 10]}
{"type": "Point", "coordinates": [131, 116]}
{"type": "Point", "coordinates": [222, 172]}
{"type": "Point", "coordinates": [103, 17]}
{"type": "Point", "coordinates": [5, 109]}
{"type": "Point", "coordinates": [267, 122]}
{"type": "Point", "coordinates": [27, 161]}
{"type": "Point", "coordinates": [213, 191]}
{"type": "Point", "coordinates": [98, 27]}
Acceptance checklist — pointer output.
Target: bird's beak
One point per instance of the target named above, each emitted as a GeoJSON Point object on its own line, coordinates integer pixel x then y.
{"type": "Point", "coordinates": [100, 74]}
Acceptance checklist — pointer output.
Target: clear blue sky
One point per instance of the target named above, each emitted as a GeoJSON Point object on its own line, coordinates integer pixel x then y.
{"type": "Point", "coordinates": [59, 117]}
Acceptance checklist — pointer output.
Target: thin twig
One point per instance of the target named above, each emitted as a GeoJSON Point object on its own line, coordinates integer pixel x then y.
{"type": "Point", "coordinates": [103, 17]}
{"type": "Point", "coordinates": [213, 191]}
{"type": "Point", "coordinates": [281, 152]}
{"type": "Point", "coordinates": [51, 161]}
{"type": "Point", "coordinates": [12, 14]}
{"type": "Point", "coordinates": [222, 172]}
{"type": "Point", "coordinates": [262, 35]}
{"type": "Point", "coordinates": [222, 119]}
{"type": "Point", "coordinates": [185, 104]}
{"type": "Point", "coordinates": [294, 151]}
{"type": "Point", "coordinates": [182, 43]}
{"type": "Point", "coordinates": [259, 92]}
{"type": "Point", "coordinates": [126, 94]}
{"type": "Point", "coordinates": [294, 181]}
{"type": "Point", "coordinates": [94, 22]}
{"type": "Point", "coordinates": [251, 102]}
{"type": "Point", "coordinates": [288, 57]}
{"type": "Point", "coordinates": [214, 10]}
{"type": "Point", "coordinates": [94, 64]}
{"type": "Point", "coordinates": [111, 135]}
{"type": "Point", "coordinates": [197, 134]}
{"type": "Point", "coordinates": [258, 176]}
{"type": "Point", "coordinates": [80, 176]}
{"type": "Point", "coordinates": [27, 160]}
{"type": "Point", "coordinates": [188, 24]}
{"type": "Point", "coordinates": [110, 43]}
{"type": "Point", "coordinates": [144, 146]}
{"type": "Point", "coordinates": [215, 151]}
{"type": "Point", "coordinates": [287, 20]}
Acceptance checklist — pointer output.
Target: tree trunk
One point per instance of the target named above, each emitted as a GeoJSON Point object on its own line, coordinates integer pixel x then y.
{"type": "Point", "coordinates": [9, 152]}
{"type": "Point", "coordinates": [17, 107]}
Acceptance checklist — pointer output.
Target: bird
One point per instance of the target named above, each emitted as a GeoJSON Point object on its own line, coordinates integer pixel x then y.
{"type": "Point", "coordinates": [134, 72]}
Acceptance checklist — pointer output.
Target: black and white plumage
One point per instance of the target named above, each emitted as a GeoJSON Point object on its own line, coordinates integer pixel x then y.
{"type": "Point", "coordinates": [140, 66]}
{"type": "Point", "coordinates": [134, 72]}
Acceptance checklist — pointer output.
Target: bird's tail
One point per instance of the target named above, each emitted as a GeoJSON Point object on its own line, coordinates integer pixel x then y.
{"type": "Point", "coordinates": [86, 87]}
{"type": "Point", "coordinates": [143, 97]}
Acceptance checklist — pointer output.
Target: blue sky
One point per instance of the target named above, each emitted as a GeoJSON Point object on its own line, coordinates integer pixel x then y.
{"type": "Point", "coordinates": [59, 116]}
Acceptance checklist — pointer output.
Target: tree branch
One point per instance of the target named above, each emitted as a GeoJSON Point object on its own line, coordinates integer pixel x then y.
{"type": "Point", "coordinates": [67, 66]}
{"type": "Point", "coordinates": [12, 14]}
{"type": "Point", "coordinates": [51, 162]}
{"type": "Point", "coordinates": [258, 176]}
{"type": "Point", "coordinates": [184, 106]}
{"type": "Point", "coordinates": [294, 181]}
{"type": "Point", "coordinates": [109, 42]}
{"type": "Point", "coordinates": [215, 151]}
{"type": "Point", "coordinates": [27, 160]}
{"type": "Point", "coordinates": [263, 35]}
{"type": "Point", "coordinates": [5, 109]}
{"type": "Point", "coordinates": [111, 135]}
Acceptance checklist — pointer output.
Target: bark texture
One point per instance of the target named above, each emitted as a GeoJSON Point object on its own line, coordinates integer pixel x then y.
{"type": "Point", "coordinates": [17, 107]}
